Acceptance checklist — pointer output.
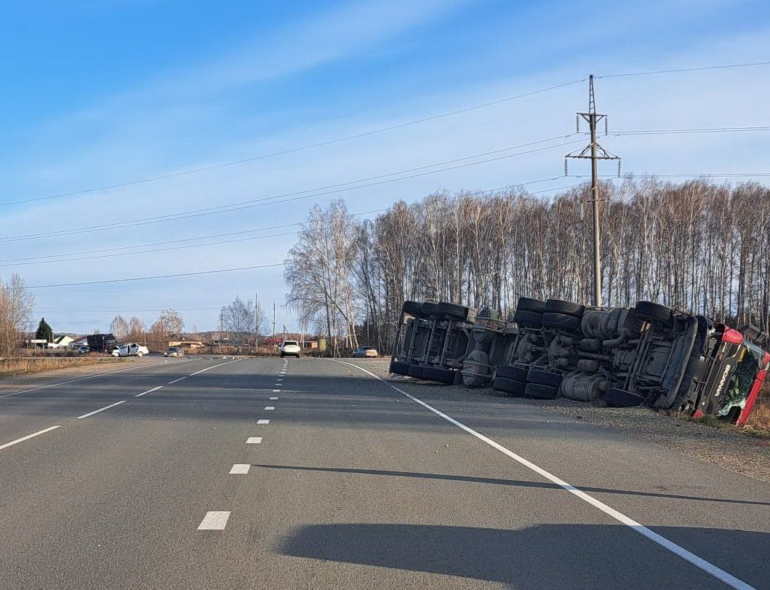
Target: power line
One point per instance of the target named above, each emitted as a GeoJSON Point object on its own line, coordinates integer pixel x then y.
{"type": "Point", "coordinates": [226, 270]}
{"type": "Point", "coordinates": [298, 149]}
{"type": "Point", "coordinates": [682, 70]}
{"type": "Point", "coordinates": [697, 175]}
{"type": "Point", "coordinates": [288, 197]}
{"type": "Point", "coordinates": [152, 278]}
{"type": "Point", "coordinates": [696, 130]}
{"type": "Point", "coordinates": [372, 132]}
{"type": "Point", "coordinates": [57, 258]}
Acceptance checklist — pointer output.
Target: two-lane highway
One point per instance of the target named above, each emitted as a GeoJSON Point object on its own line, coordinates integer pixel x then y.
{"type": "Point", "coordinates": [270, 473]}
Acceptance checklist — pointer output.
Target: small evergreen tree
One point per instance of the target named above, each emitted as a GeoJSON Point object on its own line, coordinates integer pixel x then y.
{"type": "Point", "coordinates": [44, 331]}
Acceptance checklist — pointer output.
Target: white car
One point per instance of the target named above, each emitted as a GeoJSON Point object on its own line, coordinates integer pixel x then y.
{"type": "Point", "coordinates": [132, 349]}
{"type": "Point", "coordinates": [290, 347]}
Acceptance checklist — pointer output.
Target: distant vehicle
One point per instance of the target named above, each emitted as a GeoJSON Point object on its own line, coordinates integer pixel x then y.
{"type": "Point", "coordinates": [83, 349]}
{"type": "Point", "coordinates": [363, 352]}
{"type": "Point", "coordinates": [290, 348]}
{"type": "Point", "coordinates": [175, 351]}
{"type": "Point", "coordinates": [132, 349]}
{"type": "Point", "coordinates": [101, 342]}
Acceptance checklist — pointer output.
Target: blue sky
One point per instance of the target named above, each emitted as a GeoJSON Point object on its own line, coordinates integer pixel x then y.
{"type": "Point", "coordinates": [99, 93]}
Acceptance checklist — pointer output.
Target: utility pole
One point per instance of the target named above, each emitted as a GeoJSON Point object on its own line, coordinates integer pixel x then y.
{"type": "Point", "coordinates": [221, 330]}
{"type": "Point", "coordinates": [597, 153]}
{"type": "Point", "coordinates": [271, 354]}
{"type": "Point", "coordinates": [256, 321]}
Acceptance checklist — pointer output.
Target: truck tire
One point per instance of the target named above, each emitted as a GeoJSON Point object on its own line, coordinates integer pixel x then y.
{"type": "Point", "coordinates": [431, 308]}
{"type": "Point", "coordinates": [439, 374]}
{"type": "Point", "coordinates": [560, 321]}
{"type": "Point", "coordinates": [458, 312]}
{"type": "Point", "coordinates": [399, 367]}
{"type": "Point", "coordinates": [529, 304]}
{"type": "Point", "coordinates": [647, 310]}
{"type": "Point", "coordinates": [544, 378]}
{"type": "Point", "coordinates": [509, 386]}
{"type": "Point", "coordinates": [412, 308]}
{"type": "Point", "coordinates": [538, 391]}
{"type": "Point", "coordinates": [415, 371]}
{"type": "Point", "coordinates": [528, 319]}
{"type": "Point", "coordinates": [564, 307]}
{"type": "Point", "coordinates": [620, 398]}
{"type": "Point", "coordinates": [512, 372]}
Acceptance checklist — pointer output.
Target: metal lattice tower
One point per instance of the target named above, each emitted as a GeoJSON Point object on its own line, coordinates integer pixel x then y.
{"type": "Point", "coordinates": [594, 152]}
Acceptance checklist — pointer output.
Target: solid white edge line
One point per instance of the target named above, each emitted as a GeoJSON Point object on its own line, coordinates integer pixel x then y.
{"type": "Point", "coordinates": [149, 391]}
{"type": "Point", "coordinates": [29, 436]}
{"type": "Point", "coordinates": [101, 409]}
{"type": "Point", "coordinates": [263, 421]}
{"type": "Point", "coordinates": [214, 521]}
{"type": "Point", "coordinates": [678, 550]}
{"type": "Point", "coordinates": [240, 469]}
{"type": "Point", "coordinates": [254, 440]}
{"type": "Point", "coordinates": [213, 367]}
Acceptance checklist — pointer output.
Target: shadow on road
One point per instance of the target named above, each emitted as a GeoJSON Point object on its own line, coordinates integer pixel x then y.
{"type": "Point", "coordinates": [504, 482]}
{"type": "Point", "coordinates": [543, 556]}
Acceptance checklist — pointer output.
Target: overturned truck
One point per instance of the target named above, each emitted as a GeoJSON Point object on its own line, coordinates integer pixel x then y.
{"type": "Point", "coordinates": [647, 354]}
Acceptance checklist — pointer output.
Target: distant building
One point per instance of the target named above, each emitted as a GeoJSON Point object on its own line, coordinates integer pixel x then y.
{"type": "Point", "coordinates": [62, 341]}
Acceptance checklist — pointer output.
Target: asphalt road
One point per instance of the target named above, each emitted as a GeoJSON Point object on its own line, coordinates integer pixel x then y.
{"type": "Point", "coordinates": [227, 474]}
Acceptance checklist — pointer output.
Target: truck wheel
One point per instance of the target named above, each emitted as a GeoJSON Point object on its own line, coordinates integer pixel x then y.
{"type": "Point", "coordinates": [512, 372]}
{"type": "Point", "coordinates": [560, 321]}
{"type": "Point", "coordinates": [544, 378]}
{"type": "Point", "coordinates": [620, 398]}
{"type": "Point", "coordinates": [399, 368]}
{"type": "Point", "coordinates": [431, 308]}
{"type": "Point", "coordinates": [565, 307]}
{"type": "Point", "coordinates": [412, 308]}
{"type": "Point", "coordinates": [459, 312]}
{"type": "Point", "coordinates": [415, 371]}
{"type": "Point", "coordinates": [439, 374]}
{"type": "Point", "coordinates": [508, 386]}
{"type": "Point", "coordinates": [528, 319]}
{"type": "Point", "coordinates": [529, 304]}
{"type": "Point", "coordinates": [647, 310]}
{"type": "Point", "coordinates": [538, 391]}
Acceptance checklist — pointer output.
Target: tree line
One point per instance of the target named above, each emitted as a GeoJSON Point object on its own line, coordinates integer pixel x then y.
{"type": "Point", "coordinates": [696, 246]}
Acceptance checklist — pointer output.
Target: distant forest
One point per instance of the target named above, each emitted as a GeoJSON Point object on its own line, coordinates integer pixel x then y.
{"type": "Point", "coordinates": [695, 246]}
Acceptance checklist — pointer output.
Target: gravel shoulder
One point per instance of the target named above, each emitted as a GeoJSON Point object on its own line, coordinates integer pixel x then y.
{"type": "Point", "coordinates": [730, 448]}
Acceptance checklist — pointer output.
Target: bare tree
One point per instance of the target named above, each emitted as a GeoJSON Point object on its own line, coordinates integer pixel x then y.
{"type": "Point", "coordinates": [119, 328]}
{"type": "Point", "coordinates": [238, 319]}
{"type": "Point", "coordinates": [16, 309]}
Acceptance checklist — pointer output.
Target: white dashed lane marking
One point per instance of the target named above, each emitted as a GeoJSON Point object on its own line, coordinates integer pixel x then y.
{"type": "Point", "coordinates": [149, 391]}
{"type": "Point", "coordinates": [263, 421]}
{"type": "Point", "coordinates": [214, 521]}
{"type": "Point", "coordinates": [276, 391]}
{"type": "Point", "coordinates": [254, 440]}
{"type": "Point", "coordinates": [269, 408]}
{"type": "Point", "coordinates": [29, 436]}
{"type": "Point", "coordinates": [177, 380]}
{"type": "Point", "coordinates": [272, 399]}
{"type": "Point", "coordinates": [101, 409]}
{"type": "Point", "coordinates": [240, 469]}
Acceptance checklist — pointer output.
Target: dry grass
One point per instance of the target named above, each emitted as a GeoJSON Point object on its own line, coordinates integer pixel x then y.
{"type": "Point", "coordinates": [760, 415]}
{"type": "Point", "coordinates": [10, 367]}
